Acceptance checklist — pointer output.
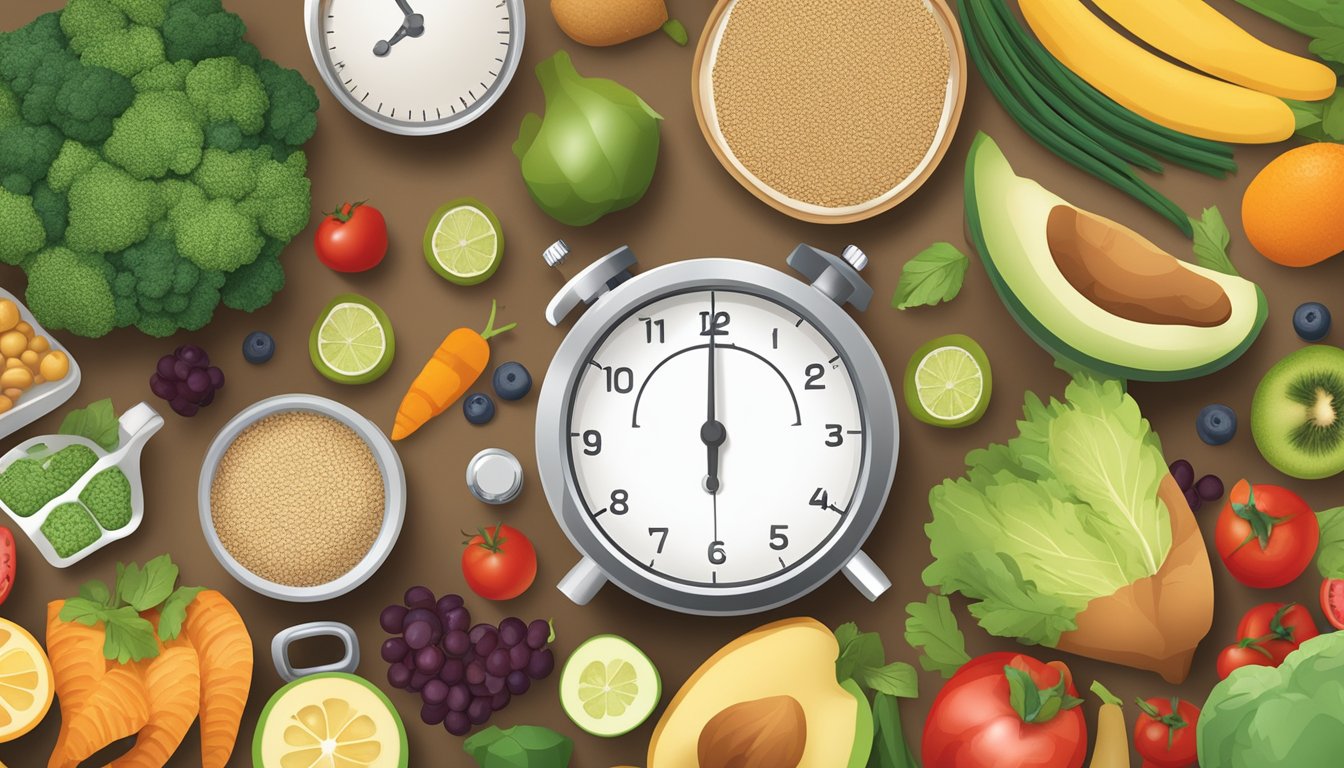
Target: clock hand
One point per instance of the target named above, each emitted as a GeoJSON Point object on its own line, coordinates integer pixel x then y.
{"type": "Point", "coordinates": [405, 7]}
{"type": "Point", "coordinates": [712, 432]}
{"type": "Point", "coordinates": [384, 47]}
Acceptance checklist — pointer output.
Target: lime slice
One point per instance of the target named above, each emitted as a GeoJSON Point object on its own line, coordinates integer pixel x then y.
{"type": "Point", "coordinates": [608, 686]}
{"type": "Point", "coordinates": [330, 720]}
{"type": "Point", "coordinates": [464, 242]}
{"type": "Point", "coordinates": [352, 341]}
{"type": "Point", "coordinates": [948, 382]}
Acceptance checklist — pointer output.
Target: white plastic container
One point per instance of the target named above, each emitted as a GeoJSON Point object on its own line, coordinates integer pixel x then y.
{"type": "Point", "coordinates": [137, 425]}
{"type": "Point", "coordinates": [46, 397]}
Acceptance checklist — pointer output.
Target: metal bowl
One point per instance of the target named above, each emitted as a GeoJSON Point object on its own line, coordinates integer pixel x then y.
{"type": "Point", "coordinates": [394, 486]}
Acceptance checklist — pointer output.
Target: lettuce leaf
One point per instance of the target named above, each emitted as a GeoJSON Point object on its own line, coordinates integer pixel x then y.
{"type": "Point", "coordinates": [1064, 513]}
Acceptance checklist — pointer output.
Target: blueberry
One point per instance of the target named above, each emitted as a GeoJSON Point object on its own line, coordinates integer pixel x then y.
{"type": "Point", "coordinates": [478, 408]}
{"type": "Point", "coordinates": [1216, 424]}
{"type": "Point", "coordinates": [258, 347]}
{"type": "Point", "coordinates": [512, 381]}
{"type": "Point", "coordinates": [1311, 321]}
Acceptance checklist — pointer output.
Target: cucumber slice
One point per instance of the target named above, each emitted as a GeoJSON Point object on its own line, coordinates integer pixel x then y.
{"type": "Point", "coordinates": [609, 687]}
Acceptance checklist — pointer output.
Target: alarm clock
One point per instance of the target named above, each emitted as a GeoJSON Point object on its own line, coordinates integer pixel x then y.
{"type": "Point", "coordinates": [716, 436]}
{"type": "Point", "coordinates": [416, 67]}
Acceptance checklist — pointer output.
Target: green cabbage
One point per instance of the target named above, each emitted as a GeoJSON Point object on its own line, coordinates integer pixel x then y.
{"type": "Point", "coordinates": [595, 150]}
{"type": "Point", "coordinates": [1290, 715]}
{"type": "Point", "coordinates": [1065, 512]}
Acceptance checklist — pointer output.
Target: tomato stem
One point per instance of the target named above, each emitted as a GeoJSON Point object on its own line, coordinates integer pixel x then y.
{"type": "Point", "coordinates": [1034, 704]}
{"type": "Point", "coordinates": [345, 211]}
{"type": "Point", "coordinates": [1172, 720]}
{"type": "Point", "coordinates": [1262, 524]}
{"type": "Point", "coordinates": [490, 539]}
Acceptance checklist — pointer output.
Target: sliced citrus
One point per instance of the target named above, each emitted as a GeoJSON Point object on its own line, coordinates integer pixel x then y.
{"type": "Point", "coordinates": [947, 382]}
{"type": "Point", "coordinates": [25, 681]}
{"type": "Point", "coordinates": [608, 686]}
{"type": "Point", "coordinates": [464, 242]}
{"type": "Point", "coordinates": [352, 341]}
{"type": "Point", "coordinates": [330, 720]}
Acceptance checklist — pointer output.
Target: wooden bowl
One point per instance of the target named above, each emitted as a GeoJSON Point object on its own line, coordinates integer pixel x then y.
{"type": "Point", "coordinates": [702, 95]}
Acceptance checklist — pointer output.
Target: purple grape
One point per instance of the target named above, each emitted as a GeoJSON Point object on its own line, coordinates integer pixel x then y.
{"type": "Point", "coordinates": [1192, 498]}
{"type": "Point", "coordinates": [458, 619]}
{"type": "Point", "coordinates": [216, 377]}
{"type": "Point", "coordinates": [500, 700]}
{"type": "Point", "coordinates": [435, 692]}
{"type": "Point", "coordinates": [181, 370]}
{"type": "Point", "coordinates": [161, 387]}
{"type": "Point", "coordinates": [487, 644]}
{"type": "Point", "coordinates": [538, 633]}
{"type": "Point", "coordinates": [541, 664]}
{"type": "Point", "coordinates": [518, 682]}
{"type": "Point", "coordinates": [418, 680]}
{"type": "Point", "coordinates": [183, 408]}
{"type": "Point", "coordinates": [167, 368]}
{"type": "Point", "coordinates": [198, 381]}
{"type": "Point", "coordinates": [392, 619]}
{"type": "Point", "coordinates": [478, 711]}
{"type": "Point", "coordinates": [475, 674]}
{"type": "Point", "coordinates": [452, 671]}
{"type": "Point", "coordinates": [207, 399]}
{"type": "Point", "coordinates": [479, 690]}
{"type": "Point", "coordinates": [394, 650]}
{"type": "Point", "coordinates": [497, 663]}
{"type": "Point", "coordinates": [419, 597]}
{"type": "Point", "coordinates": [423, 614]}
{"type": "Point", "coordinates": [519, 655]}
{"type": "Point", "coordinates": [494, 684]}
{"type": "Point", "coordinates": [429, 660]}
{"type": "Point", "coordinates": [455, 642]}
{"type": "Point", "coordinates": [458, 697]}
{"type": "Point", "coordinates": [479, 631]}
{"type": "Point", "coordinates": [398, 676]}
{"type": "Point", "coordinates": [1209, 488]}
{"type": "Point", "coordinates": [1183, 474]}
{"type": "Point", "coordinates": [433, 714]}
{"type": "Point", "coordinates": [457, 723]}
{"type": "Point", "coordinates": [419, 634]}
{"type": "Point", "coordinates": [192, 355]}
{"type": "Point", "coordinates": [449, 602]}
{"type": "Point", "coordinates": [408, 662]}
{"type": "Point", "coordinates": [512, 631]}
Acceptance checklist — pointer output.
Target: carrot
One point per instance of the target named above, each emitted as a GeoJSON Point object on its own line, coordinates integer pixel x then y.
{"type": "Point", "coordinates": [455, 366]}
{"type": "Point", "coordinates": [214, 628]}
{"type": "Point", "coordinates": [173, 683]}
{"type": "Point", "coordinates": [117, 709]}
{"type": "Point", "coordinates": [77, 667]}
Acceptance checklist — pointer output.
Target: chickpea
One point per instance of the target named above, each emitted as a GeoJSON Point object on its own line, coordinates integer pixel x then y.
{"type": "Point", "coordinates": [13, 362]}
{"type": "Point", "coordinates": [12, 393]}
{"type": "Point", "coordinates": [38, 380]}
{"type": "Point", "coordinates": [39, 344]}
{"type": "Point", "coordinates": [19, 378]}
{"type": "Point", "coordinates": [9, 315]}
{"type": "Point", "coordinates": [5, 404]}
{"type": "Point", "coordinates": [30, 359]}
{"type": "Point", "coordinates": [13, 343]}
{"type": "Point", "coordinates": [25, 329]}
{"type": "Point", "coordinates": [54, 366]}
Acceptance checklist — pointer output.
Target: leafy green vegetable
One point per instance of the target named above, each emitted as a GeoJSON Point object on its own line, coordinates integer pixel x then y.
{"type": "Point", "coordinates": [1321, 20]}
{"type": "Point", "coordinates": [1211, 241]}
{"type": "Point", "coordinates": [595, 150]}
{"type": "Point", "coordinates": [931, 628]}
{"type": "Point", "coordinates": [890, 749]}
{"type": "Point", "coordinates": [1290, 715]}
{"type": "Point", "coordinates": [1065, 512]}
{"type": "Point", "coordinates": [97, 422]}
{"type": "Point", "coordinates": [863, 659]}
{"type": "Point", "coordinates": [522, 746]}
{"type": "Point", "coordinates": [1330, 552]}
{"type": "Point", "coordinates": [127, 635]}
{"type": "Point", "coordinates": [934, 275]}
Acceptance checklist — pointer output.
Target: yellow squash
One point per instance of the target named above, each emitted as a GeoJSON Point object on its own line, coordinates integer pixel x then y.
{"type": "Point", "coordinates": [1199, 35]}
{"type": "Point", "coordinates": [1151, 86]}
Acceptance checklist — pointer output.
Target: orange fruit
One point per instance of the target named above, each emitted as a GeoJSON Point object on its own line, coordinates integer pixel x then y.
{"type": "Point", "coordinates": [1291, 209]}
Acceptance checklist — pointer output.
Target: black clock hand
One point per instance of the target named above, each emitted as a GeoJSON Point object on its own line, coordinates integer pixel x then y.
{"type": "Point", "coordinates": [384, 47]}
{"type": "Point", "coordinates": [712, 433]}
{"type": "Point", "coordinates": [405, 7]}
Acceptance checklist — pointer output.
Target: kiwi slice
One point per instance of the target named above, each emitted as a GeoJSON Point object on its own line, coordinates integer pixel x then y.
{"type": "Point", "coordinates": [1297, 415]}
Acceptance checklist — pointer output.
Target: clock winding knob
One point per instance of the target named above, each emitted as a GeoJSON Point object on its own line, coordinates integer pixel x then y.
{"type": "Point", "coordinates": [855, 257]}
{"type": "Point", "coordinates": [556, 253]}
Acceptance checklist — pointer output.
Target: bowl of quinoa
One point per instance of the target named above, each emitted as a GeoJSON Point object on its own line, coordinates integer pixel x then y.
{"type": "Point", "coordinates": [301, 498]}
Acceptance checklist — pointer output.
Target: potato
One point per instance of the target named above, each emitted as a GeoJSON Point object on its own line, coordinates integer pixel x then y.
{"type": "Point", "coordinates": [13, 343]}
{"type": "Point", "coordinates": [54, 366]}
{"type": "Point", "coordinates": [39, 344]}
{"type": "Point", "coordinates": [20, 378]}
{"type": "Point", "coordinates": [9, 315]}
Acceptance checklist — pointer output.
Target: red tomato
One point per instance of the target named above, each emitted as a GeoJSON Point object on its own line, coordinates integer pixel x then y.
{"type": "Point", "coordinates": [8, 563]}
{"type": "Point", "coordinates": [1236, 656]}
{"type": "Point", "coordinates": [499, 563]}
{"type": "Point", "coordinates": [1332, 601]}
{"type": "Point", "coordinates": [1164, 734]}
{"type": "Point", "coordinates": [1278, 628]}
{"type": "Point", "coordinates": [973, 723]}
{"type": "Point", "coordinates": [353, 238]}
{"type": "Point", "coordinates": [1266, 535]}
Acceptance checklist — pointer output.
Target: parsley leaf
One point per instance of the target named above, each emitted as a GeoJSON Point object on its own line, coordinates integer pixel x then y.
{"type": "Point", "coordinates": [174, 611]}
{"type": "Point", "coordinates": [96, 591]}
{"type": "Point", "coordinates": [83, 611]}
{"type": "Point", "coordinates": [129, 636]}
{"type": "Point", "coordinates": [934, 275]}
{"type": "Point", "coordinates": [1211, 241]}
{"type": "Point", "coordinates": [931, 628]}
{"type": "Point", "coordinates": [894, 679]}
{"type": "Point", "coordinates": [97, 422]}
{"type": "Point", "coordinates": [863, 660]}
{"type": "Point", "coordinates": [145, 588]}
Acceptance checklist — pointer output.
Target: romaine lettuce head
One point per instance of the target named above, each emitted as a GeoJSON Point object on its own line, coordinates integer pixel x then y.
{"type": "Point", "coordinates": [1290, 715]}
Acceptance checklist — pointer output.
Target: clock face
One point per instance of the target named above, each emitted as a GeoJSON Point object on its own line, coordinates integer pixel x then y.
{"type": "Point", "coordinates": [424, 70]}
{"type": "Point", "coordinates": [786, 421]}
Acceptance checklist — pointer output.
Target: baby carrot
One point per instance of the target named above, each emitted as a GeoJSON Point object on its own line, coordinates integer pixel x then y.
{"type": "Point", "coordinates": [455, 366]}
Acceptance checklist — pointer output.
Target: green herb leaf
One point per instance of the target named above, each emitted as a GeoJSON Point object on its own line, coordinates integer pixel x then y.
{"type": "Point", "coordinates": [522, 746]}
{"type": "Point", "coordinates": [96, 591]}
{"type": "Point", "coordinates": [145, 588]}
{"type": "Point", "coordinates": [83, 611]}
{"type": "Point", "coordinates": [1211, 241]}
{"type": "Point", "coordinates": [174, 611]}
{"type": "Point", "coordinates": [97, 422]}
{"type": "Point", "coordinates": [934, 275]}
{"type": "Point", "coordinates": [865, 650]}
{"type": "Point", "coordinates": [894, 679]}
{"type": "Point", "coordinates": [890, 749]}
{"type": "Point", "coordinates": [931, 628]}
{"type": "Point", "coordinates": [1306, 113]}
{"type": "Point", "coordinates": [1330, 552]}
{"type": "Point", "coordinates": [129, 637]}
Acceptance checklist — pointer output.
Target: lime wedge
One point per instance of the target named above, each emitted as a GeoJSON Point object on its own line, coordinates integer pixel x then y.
{"type": "Point", "coordinates": [948, 382]}
{"type": "Point", "coordinates": [464, 242]}
{"type": "Point", "coordinates": [608, 686]}
{"type": "Point", "coordinates": [352, 341]}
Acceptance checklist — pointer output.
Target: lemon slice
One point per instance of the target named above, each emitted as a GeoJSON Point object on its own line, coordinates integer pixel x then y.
{"type": "Point", "coordinates": [947, 382]}
{"type": "Point", "coordinates": [608, 686]}
{"type": "Point", "coordinates": [331, 720]}
{"type": "Point", "coordinates": [25, 681]}
{"type": "Point", "coordinates": [464, 242]}
{"type": "Point", "coordinates": [352, 341]}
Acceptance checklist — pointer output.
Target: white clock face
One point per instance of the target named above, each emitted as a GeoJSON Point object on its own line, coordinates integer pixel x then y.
{"type": "Point", "coordinates": [790, 440]}
{"type": "Point", "coordinates": [417, 70]}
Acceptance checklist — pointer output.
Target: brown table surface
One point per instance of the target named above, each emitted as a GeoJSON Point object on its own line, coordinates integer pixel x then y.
{"type": "Point", "coordinates": [693, 209]}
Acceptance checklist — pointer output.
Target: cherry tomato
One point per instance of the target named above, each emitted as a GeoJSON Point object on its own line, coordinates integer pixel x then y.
{"type": "Point", "coordinates": [8, 563]}
{"type": "Point", "coordinates": [1164, 734]}
{"type": "Point", "coordinates": [1266, 535]}
{"type": "Point", "coordinates": [973, 723]}
{"type": "Point", "coordinates": [1332, 601]}
{"type": "Point", "coordinates": [499, 563]}
{"type": "Point", "coordinates": [1280, 628]}
{"type": "Point", "coordinates": [1236, 656]}
{"type": "Point", "coordinates": [352, 238]}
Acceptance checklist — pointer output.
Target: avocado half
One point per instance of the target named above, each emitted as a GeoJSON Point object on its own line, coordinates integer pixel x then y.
{"type": "Point", "coordinates": [1096, 293]}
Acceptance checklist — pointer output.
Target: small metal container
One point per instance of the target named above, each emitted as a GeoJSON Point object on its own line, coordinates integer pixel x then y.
{"type": "Point", "coordinates": [495, 476]}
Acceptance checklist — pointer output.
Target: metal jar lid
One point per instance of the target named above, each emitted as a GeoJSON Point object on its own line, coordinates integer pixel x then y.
{"type": "Point", "coordinates": [495, 476]}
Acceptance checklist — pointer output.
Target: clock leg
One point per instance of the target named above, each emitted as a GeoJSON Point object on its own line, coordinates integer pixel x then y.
{"type": "Point", "coordinates": [866, 577]}
{"type": "Point", "coordinates": [583, 581]}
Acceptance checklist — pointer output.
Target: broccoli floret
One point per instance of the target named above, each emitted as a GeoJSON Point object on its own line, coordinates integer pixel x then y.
{"type": "Point", "coordinates": [218, 236]}
{"type": "Point", "coordinates": [74, 161]}
{"type": "Point", "coordinates": [158, 134]}
{"type": "Point", "coordinates": [251, 286]}
{"type": "Point", "coordinates": [168, 76]}
{"type": "Point", "coordinates": [161, 292]}
{"type": "Point", "coordinates": [70, 528]}
{"type": "Point", "coordinates": [228, 175]}
{"type": "Point", "coordinates": [150, 13]}
{"type": "Point", "coordinates": [21, 231]}
{"type": "Point", "coordinates": [68, 465]}
{"type": "Point", "coordinates": [28, 152]}
{"type": "Point", "coordinates": [85, 22]}
{"type": "Point", "coordinates": [71, 291]}
{"type": "Point", "coordinates": [225, 91]}
{"type": "Point", "coordinates": [25, 487]}
{"type": "Point", "coordinates": [52, 210]}
{"type": "Point", "coordinates": [109, 210]}
{"type": "Point", "coordinates": [108, 497]}
{"type": "Point", "coordinates": [103, 35]}
{"type": "Point", "coordinates": [9, 107]}
{"type": "Point", "coordinates": [88, 101]}
{"type": "Point", "coordinates": [292, 118]}
{"type": "Point", "coordinates": [201, 29]}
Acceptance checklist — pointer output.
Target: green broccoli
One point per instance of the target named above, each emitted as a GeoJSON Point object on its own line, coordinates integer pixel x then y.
{"type": "Point", "coordinates": [25, 487]}
{"type": "Point", "coordinates": [150, 164]}
{"type": "Point", "coordinates": [68, 465]}
{"type": "Point", "coordinates": [108, 497]}
{"type": "Point", "coordinates": [70, 529]}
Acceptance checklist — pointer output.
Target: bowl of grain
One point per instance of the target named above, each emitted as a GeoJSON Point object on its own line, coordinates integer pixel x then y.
{"type": "Point", "coordinates": [301, 498]}
{"type": "Point", "coordinates": [831, 111]}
